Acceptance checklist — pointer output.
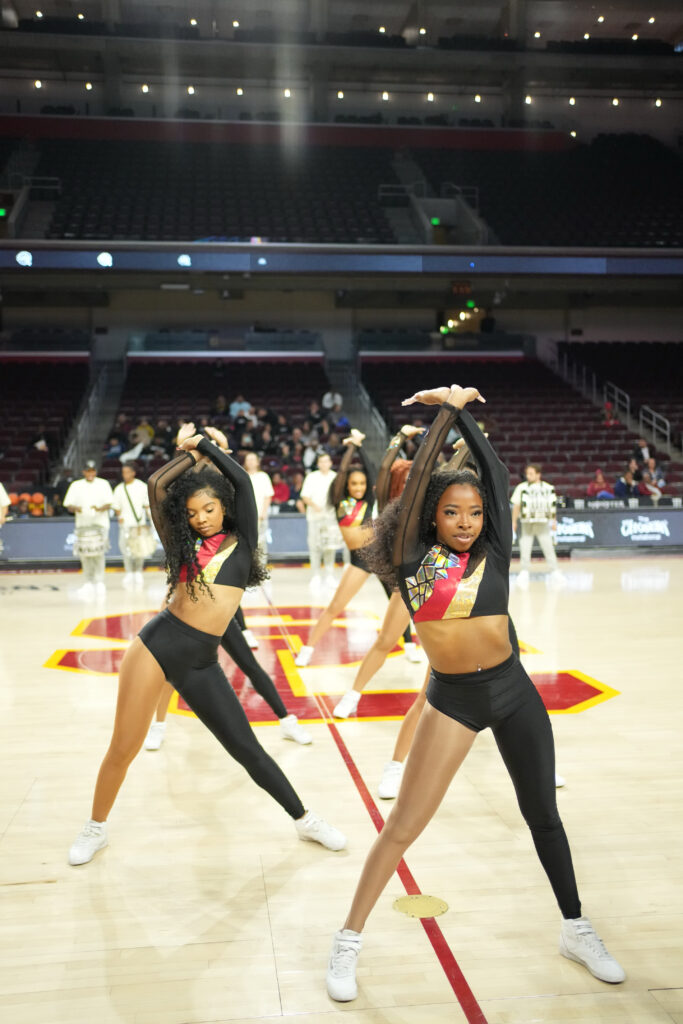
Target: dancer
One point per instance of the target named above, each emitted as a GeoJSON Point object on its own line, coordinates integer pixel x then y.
{"type": "Point", "coordinates": [390, 482]}
{"type": "Point", "coordinates": [351, 496]}
{"type": "Point", "coordinates": [234, 642]}
{"type": "Point", "coordinates": [448, 544]}
{"type": "Point", "coordinates": [208, 526]}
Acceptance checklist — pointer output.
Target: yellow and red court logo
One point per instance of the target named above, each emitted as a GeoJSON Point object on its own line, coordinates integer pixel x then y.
{"type": "Point", "coordinates": [281, 633]}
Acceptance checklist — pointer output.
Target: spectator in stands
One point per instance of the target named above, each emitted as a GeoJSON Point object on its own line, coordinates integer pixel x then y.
{"type": "Point", "coordinates": [323, 534]}
{"type": "Point", "coordinates": [626, 487]}
{"type": "Point", "coordinates": [308, 433]}
{"type": "Point", "coordinates": [122, 426]}
{"type": "Point", "coordinates": [263, 493]}
{"type": "Point", "coordinates": [608, 417]}
{"type": "Point", "coordinates": [598, 487]}
{"type": "Point", "coordinates": [265, 415]}
{"type": "Point", "coordinates": [656, 475]}
{"type": "Point", "coordinates": [89, 500]}
{"type": "Point", "coordinates": [159, 448]}
{"type": "Point", "coordinates": [165, 431]}
{"type": "Point", "coordinates": [282, 427]}
{"type": "Point", "coordinates": [54, 505]}
{"type": "Point", "coordinates": [647, 488]}
{"type": "Point", "coordinates": [315, 413]}
{"type": "Point", "coordinates": [144, 432]}
{"type": "Point", "coordinates": [40, 441]}
{"type": "Point", "coordinates": [635, 469]}
{"type": "Point", "coordinates": [114, 448]}
{"type": "Point", "coordinates": [266, 443]}
{"type": "Point", "coordinates": [533, 504]}
{"type": "Point", "coordinates": [331, 399]}
{"type": "Point", "coordinates": [21, 510]}
{"type": "Point", "coordinates": [307, 456]}
{"type": "Point", "coordinates": [281, 490]}
{"type": "Point", "coordinates": [220, 406]}
{"type": "Point", "coordinates": [642, 452]}
{"type": "Point", "coordinates": [295, 503]}
{"type": "Point", "coordinates": [64, 480]}
{"type": "Point", "coordinates": [239, 405]}
{"type": "Point", "coordinates": [340, 419]}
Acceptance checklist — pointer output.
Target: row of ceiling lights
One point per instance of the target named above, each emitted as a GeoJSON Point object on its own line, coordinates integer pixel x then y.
{"type": "Point", "coordinates": [386, 96]}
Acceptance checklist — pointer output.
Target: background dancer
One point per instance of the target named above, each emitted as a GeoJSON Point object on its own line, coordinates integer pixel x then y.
{"type": "Point", "coordinates": [208, 526]}
{"type": "Point", "coordinates": [448, 544]}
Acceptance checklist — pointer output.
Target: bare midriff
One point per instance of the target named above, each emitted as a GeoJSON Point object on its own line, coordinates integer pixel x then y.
{"type": "Point", "coordinates": [457, 646]}
{"type": "Point", "coordinates": [205, 614]}
{"type": "Point", "coordinates": [356, 536]}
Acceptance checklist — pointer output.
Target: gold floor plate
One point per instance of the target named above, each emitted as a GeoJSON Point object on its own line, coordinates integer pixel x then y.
{"type": "Point", "coordinates": [420, 906]}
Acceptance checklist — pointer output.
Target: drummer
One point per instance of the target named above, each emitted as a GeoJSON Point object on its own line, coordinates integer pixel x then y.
{"type": "Point", "coordinates": [89, 500]}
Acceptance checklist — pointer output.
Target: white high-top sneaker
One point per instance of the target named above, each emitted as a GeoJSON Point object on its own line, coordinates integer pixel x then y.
{"type": "Point", "coordinates": [580, 942]}
{"type": "Point", "coordinates": [341, 969]}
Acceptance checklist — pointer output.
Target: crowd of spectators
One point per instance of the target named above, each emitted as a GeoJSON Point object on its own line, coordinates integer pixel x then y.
{"type": "Point", "coordinates": [643, 477]}
{"type": "Point", "coordinates": [287, 450]}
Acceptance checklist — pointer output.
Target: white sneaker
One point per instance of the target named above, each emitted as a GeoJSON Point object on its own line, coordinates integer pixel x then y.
{"type": "Point", "coordinates": [291, 730]}
{"type": "Point", "coordinates": [155, 736]}
{"type": "Point", "coordinates": [390, 783]}
{"type": "Point", "coordinates": [86, 592]}
{"type": "Point", "coordinates": [91, 838]}
{"type": "Point", "coordinates": [347, 705]}
{"type": "Point", "coordinates": [557, 579]}
{"type": "Point", "coordinates": [341, 969]}
{"type": "Point", "coordinates": [128, 581]}
{"type": "Point", "coordinates": [559, 781]}
{"type": "Point", "coordinates": [304, 656]}
{"type": "Point", "coordinates": [523, 580]}
{"type": "Point", "coordinates": [139, 581]}
{"type": "Point", "coordinates": [580, 942]}
{"type": "Point", "coordinates": [313, 829]}
{"type": "Point", "coordinates": [250, 638]}
{"type": "Point", "coordinates": [412, 652]}
{"type": "Point", "coordinates": [100, 590]}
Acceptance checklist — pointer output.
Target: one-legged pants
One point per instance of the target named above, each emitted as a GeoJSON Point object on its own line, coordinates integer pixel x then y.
{"type": "Point", "coordinates": [540, 531]}
{"type": "Point", "coordinates": [237, 647]}
{"type": "Point", "coordinates": [505, 700]}
{"type": "Point", "coordinates": [189, 659]}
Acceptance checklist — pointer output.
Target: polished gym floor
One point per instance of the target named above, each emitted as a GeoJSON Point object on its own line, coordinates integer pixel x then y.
{"type": "Point", "coordinates": [205, 907]}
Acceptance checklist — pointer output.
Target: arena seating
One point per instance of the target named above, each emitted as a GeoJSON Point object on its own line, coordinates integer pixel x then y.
{"type": "Point", "coordinates": [531, 414]}
{"type": "Point", "coordinates": [188, 191]}
{"type": "Point", "coordinates": [34, 394]}
{"type": "Point", "coordinates": [621, 190]}
{"type": "Point", "coordinates": [650, 372]}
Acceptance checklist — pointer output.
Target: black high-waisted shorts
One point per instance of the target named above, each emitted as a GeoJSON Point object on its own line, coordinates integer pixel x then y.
{"type": "Point", "coordinates": [483, 699]}
{"type": "Point", "coordinates": [178, 647]}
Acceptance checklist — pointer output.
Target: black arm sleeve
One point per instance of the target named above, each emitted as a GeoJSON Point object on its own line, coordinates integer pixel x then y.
{"type": "Point", "coordinates": [406, 542]}
{"type": "Point", "coordinates": [157, 487]}
{"type": "Point", "coordinates": [383, 486]}
{"type": "Point", "coordinates": [338, 486]}
{"type": "Point", "coordinates": [246, 517]}
{"type": "Point", "coordinates": [496, 480]}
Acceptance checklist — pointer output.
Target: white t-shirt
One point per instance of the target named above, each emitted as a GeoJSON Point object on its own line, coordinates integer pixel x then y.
{"type": "Point", "coordinates": [4, 497]}
{"type": "Point", "coordinates": [538, 501]}
{"type": "Point", "coordinates": [330, 399]}
{"type": "Point", "coordinates": [88, 495]}
{"type": "Point", "coordinates": [138, 495]}
{"type": "Point", "coordinates": [316, 487]}
{"type": "Point", "coordinates": [263, 489]}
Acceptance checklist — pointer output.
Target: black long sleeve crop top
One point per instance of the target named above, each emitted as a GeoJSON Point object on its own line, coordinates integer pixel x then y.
{"type": "Point", "coordinates": [226, 566]}
{"type": "Point", "coordinates": [436, 582]}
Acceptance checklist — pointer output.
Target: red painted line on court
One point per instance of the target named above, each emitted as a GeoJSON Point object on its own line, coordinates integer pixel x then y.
{"type": "Point", "coordinates": [456, 978]}
{"type": "Point", "coordinates": [463, 993]}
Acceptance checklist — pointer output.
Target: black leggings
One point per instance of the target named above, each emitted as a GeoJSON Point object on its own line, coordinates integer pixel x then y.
{"type": "Point", "coordinates": [238, 617]}
{"type": "Point", "coordinates": [239, 650]}
{"type": "Point", "coordinates": [504, 699]}
{"type": "Point", "coordinates": [189, 659]}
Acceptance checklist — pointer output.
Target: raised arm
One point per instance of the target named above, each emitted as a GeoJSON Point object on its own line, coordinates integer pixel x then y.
{"type": "Point", "coordinates": [496, 481]}
{"type": "Point", "coordinates": [246, 515]}
{"type": "Point", "coordinates": [353, 444]}
{"type": "Point", "coordinates": [383, 485]}
{"type": "Point", "coordinates": [158, 484]}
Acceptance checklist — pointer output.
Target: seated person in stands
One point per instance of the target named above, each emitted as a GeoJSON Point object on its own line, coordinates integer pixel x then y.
{"type": "Point", "coordinates": [331, 399]}
{"type": "Point", "coordinates": [282, 428]}
{"type": "Point", "coordinates": [281, 490]}
{"type": "Point", "coordinates": [266, 416]}
{"type": "Point", "coordinates": [315, 413]}
{"type": "Point", "coordinates": [113, 447]}
{"type": "Point", "coordinates": [220, 406]}
{"type": "Point", "coordinates": [635, 469]}
{"type": "Point", "coordinates": [647, 488]}
{"type": "Point", "coordinates": [656, 475]}
{"type": "Point", "coordinates": [626, 487]}
{"type": "Point", "coordinates": [598, 487]}
{"type": "Point", "coordinates": [609, 419]}
{"type": "Point", "coordinates": [239, 405]}
{"type": "Point", "coordinates": [159, 448]}
{"type": "Point", "coordinates": [642, 451]}
{"type": "Point", "coordinates": [40, 440]}
{"type": "Point", "coordinates": [295, 504]}
{"type": "Point", "coordinates": [309, 434]}
{"type": "Point", "coordinates": [21, 510]}
{"type": "Point", "coordinates": [165, 432]}
{"type": "Point", "coordinates": [340, 419]}
{"type": "Point", "coordinates": [122, 427]}
{"type": "Point", "coordinates": [266, 443]}
{"type": "Point", "coordinates": [54, 505]}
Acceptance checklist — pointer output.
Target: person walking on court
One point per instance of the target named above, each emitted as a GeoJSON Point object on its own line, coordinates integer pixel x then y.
{"type": "Point", "coordinates": [534, 505]}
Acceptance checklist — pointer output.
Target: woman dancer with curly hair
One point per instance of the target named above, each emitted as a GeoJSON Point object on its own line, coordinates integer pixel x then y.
{"type": "Point", "coordinates": [447, 545]}
{"type": "Point", "coordinates": [351, 496]}
{"type": "Point", "coordinates": [208, 526]}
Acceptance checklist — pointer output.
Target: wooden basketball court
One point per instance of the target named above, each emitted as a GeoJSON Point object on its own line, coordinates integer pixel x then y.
{"type": "Point", "coordinates": [205, 907]}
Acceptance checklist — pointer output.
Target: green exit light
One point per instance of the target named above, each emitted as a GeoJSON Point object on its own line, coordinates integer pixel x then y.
{"type": "Point", "coordinates": [471, 303]}
{"type": "Point", "coordinates": [444, 330]}
{"type": "Point", "coordinates": [3, 211]}
{"type": "Point", "coordinates": [436, 221]}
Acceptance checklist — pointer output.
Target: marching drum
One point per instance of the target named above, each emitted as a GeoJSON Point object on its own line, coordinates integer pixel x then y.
{"type": "Point", "coordinates": [90, 541]}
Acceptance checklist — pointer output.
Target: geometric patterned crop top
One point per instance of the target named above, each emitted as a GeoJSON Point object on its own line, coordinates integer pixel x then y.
{"type": "Point", "coordinates": [231, 566]}
{"type": "Point", "coordinates": [434, 581]}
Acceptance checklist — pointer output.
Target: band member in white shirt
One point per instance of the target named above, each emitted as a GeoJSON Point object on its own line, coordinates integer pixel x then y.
{"type": "Point", "coordinates": [534, 504]}
{"type": "Point", "coordinates": [89, 500]}
{"type": "Point", "coordinates": [131, 505]}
